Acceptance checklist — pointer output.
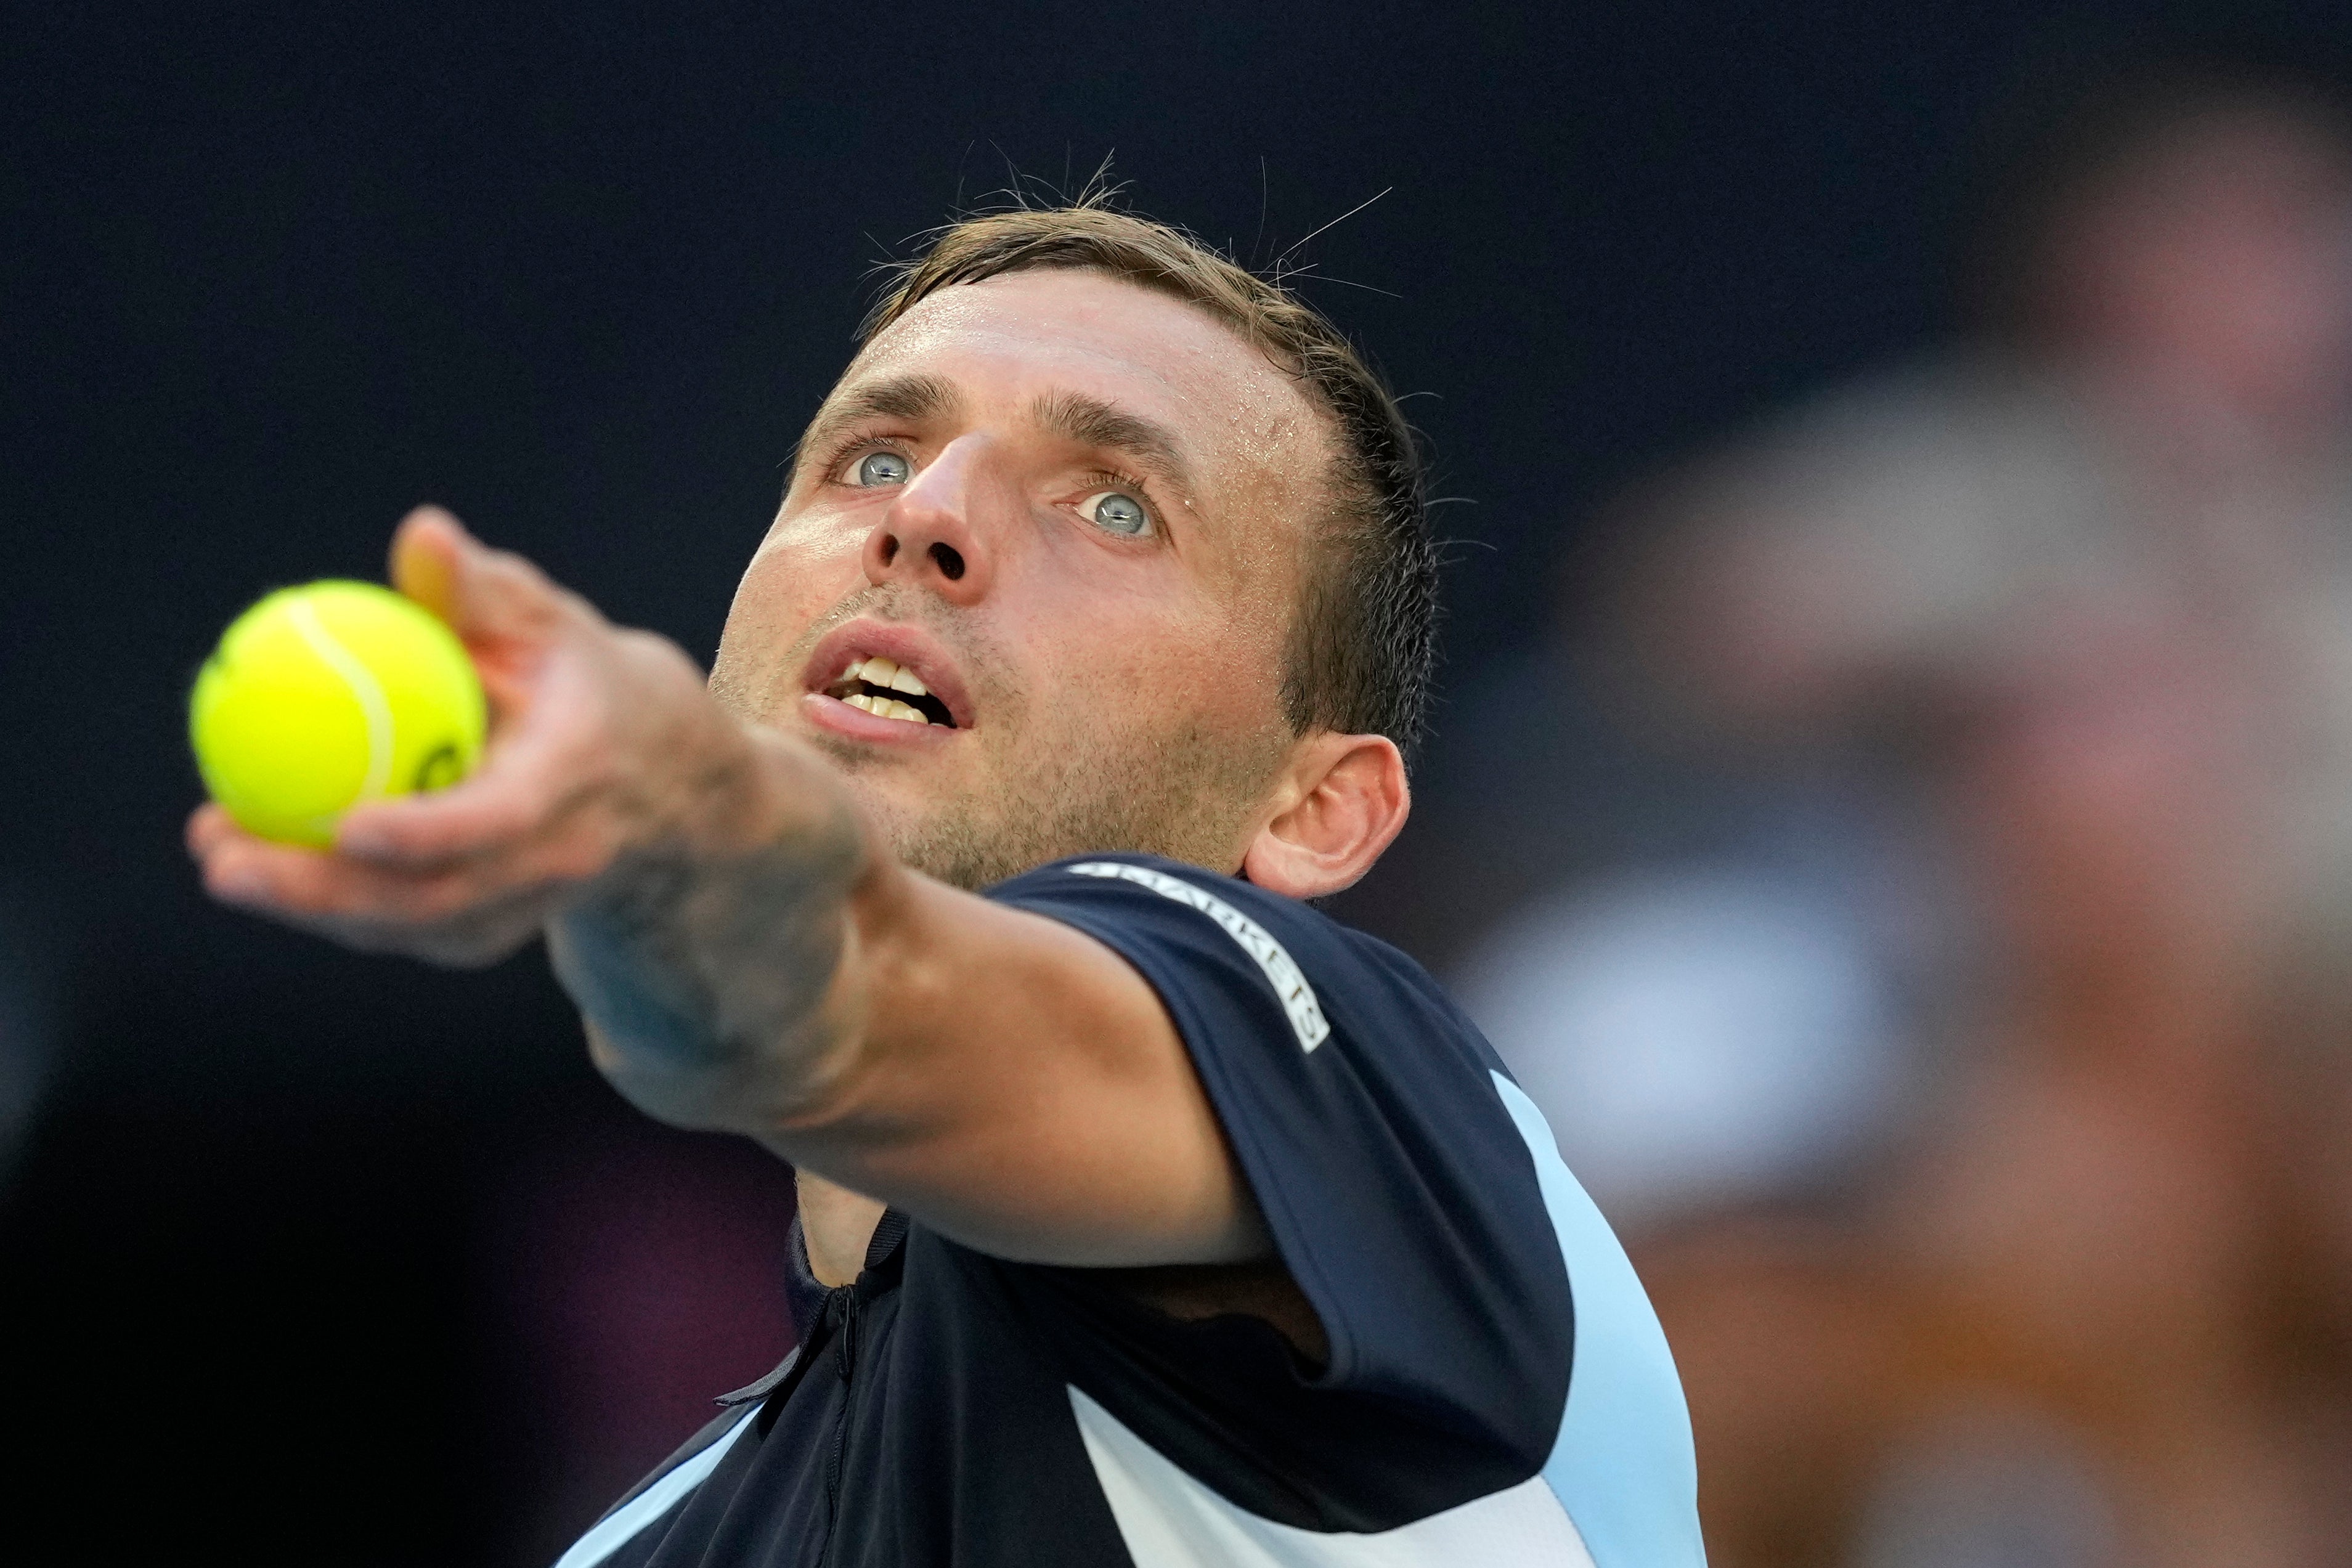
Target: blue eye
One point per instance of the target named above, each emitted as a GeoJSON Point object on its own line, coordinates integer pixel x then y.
{"type": "Point", "coordinates": [1117, 514]}
{"type": "Point", "coordinates": [880, 468]}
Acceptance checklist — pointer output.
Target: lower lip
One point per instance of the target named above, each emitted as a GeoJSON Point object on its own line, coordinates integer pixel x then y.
{"type": "Point", "coordinates": [833, 714]}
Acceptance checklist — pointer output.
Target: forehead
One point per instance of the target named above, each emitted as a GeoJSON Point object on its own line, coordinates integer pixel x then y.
{"type": "Point", "coordinates": [1012, 338]}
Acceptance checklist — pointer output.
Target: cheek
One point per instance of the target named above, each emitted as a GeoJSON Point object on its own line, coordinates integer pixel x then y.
{"type": "Point", "coordinates": [799, 570]}
{"type": "Point", "coordinates": [799, 573]}
{"type": "Point", "coordinates": [1150, 664]}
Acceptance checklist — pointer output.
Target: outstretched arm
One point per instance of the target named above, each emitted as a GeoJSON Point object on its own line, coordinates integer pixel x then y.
{"type": "Point", "coordinates": [748, 956]}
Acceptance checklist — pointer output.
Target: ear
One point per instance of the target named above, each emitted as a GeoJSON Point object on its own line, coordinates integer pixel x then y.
{"type": "Point", "coordinates": [1342, 800]}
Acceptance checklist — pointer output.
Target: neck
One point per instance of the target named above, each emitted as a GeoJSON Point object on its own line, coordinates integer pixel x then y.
{"type": "Point", "coordinates": [836, 1224]}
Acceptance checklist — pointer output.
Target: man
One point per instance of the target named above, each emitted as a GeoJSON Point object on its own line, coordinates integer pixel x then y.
{"type": "Point", "coordinates": [1214, 1234]}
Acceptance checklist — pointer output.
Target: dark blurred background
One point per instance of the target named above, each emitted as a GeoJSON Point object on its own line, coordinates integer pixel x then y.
{"type": "Point", "coordinates": [345, 1261]}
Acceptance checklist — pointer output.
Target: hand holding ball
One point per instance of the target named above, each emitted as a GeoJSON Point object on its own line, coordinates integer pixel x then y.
{"type": "Point", "coordinates": [322, 698]}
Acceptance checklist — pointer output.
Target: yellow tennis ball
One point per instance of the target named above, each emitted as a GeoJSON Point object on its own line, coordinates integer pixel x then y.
{"type": "Point", "coordinates": [321, 697]}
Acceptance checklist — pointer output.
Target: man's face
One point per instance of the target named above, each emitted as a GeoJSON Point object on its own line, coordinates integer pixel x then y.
{"type": "Point", "coordinates": [1072, 509]}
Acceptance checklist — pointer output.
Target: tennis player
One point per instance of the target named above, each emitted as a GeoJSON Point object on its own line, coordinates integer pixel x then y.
{"type": "Point", "coordinates": [1146, 1214]}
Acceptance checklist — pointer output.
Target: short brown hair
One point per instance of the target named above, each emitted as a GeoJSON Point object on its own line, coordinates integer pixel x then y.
{"type": "Point", "coordinates": [1363, 643]}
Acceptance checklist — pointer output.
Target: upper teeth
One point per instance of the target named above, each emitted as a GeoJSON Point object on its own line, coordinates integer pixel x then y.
{"type": "Point", "coordinates": [878, 671]}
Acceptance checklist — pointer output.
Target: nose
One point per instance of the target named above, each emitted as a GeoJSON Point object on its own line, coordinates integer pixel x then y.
{"type": "Point", "coordinates": [929, 537]}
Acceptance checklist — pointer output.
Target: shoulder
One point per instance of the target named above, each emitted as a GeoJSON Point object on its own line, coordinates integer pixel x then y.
{"type": "Point", "coordinates": [1158, 913]}
{"type": "Point", "coordinates": [1371, 1118]}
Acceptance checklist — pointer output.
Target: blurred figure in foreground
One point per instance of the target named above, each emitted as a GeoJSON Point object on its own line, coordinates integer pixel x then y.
{"type": "Point", "coordinates": [1993, 1196]}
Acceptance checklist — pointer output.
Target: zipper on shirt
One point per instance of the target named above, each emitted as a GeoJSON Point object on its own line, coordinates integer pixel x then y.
{"type": "Point", "coordinates": [845, 1313]}
{"type": "Point", "coordinates": [843, 1307]}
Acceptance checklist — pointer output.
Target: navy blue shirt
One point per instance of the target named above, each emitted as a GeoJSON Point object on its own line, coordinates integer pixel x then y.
{"type": "Point", "coordinates": [1497, 1391]}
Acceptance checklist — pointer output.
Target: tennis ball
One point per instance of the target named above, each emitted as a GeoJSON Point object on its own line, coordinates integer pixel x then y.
{"type": "Point", "coordinates": [321, 697]}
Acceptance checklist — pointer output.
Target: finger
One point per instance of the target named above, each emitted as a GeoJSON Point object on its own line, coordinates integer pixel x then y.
{"type": "Point", "coordinates": [505, 805]}
{"type": "Point", "coordinates": [424, 560]}
{"type": "Point", "coordinates": [342, 896]}
{"type": "Point", "coordinates": [486, 595]}
{"type": "Point", "coordinates": [481, 934]}
{"type": "Point", "coordinates": [208, 824]}
{"type": "Point", "coordinates": [533, 772]}
{"type": "Point", "coordinates": [239, 868]}
{"type": "Point", "coordinates": [475, 942]}
{"type": "Point", "coordinates": [466, 917]}
{"type": "Point", "coordinates": [467, 822]}
{"type": "Point", "coordinates": [508, 612]}
{"type": "Point", "coordinates": [477, 934]}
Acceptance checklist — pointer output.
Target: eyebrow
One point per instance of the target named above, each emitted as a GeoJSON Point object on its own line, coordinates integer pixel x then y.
{"type": "Point", "coordinates": [1087, 420]}
{"type": "Point", "coordinates": [886, 397]}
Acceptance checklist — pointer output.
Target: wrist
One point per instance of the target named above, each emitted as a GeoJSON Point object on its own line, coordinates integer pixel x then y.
{"type": "Point", "coordinates": [707, 958]}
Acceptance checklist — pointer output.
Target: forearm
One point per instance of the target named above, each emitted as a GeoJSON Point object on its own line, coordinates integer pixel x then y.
{"type": "Point", "coordinates": [1008, 1080]}
{"type": "Point", "coordinates": [1005, 1078]}
{"type": "Point", "coordinates": [716, 969]}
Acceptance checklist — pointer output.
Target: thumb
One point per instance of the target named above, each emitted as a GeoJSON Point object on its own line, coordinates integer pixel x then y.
{"type": "Point", "coordinates": [424, 560]}
{"type": "Point", "coordinates": [487, 596]}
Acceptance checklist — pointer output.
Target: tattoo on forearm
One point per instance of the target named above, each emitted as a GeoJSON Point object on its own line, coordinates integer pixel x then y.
{"type": "Point", "coordinates": [707, 980]}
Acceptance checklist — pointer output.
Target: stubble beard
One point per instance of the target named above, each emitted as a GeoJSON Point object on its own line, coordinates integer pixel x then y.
{"type": "Point", "coordinates": [1185, 794]}
{"type": "Point", "coordinates": [1184, 790]}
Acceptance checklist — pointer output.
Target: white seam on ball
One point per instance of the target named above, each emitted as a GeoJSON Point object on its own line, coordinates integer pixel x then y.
{"type": "Point", "coordinates": [374, 711]}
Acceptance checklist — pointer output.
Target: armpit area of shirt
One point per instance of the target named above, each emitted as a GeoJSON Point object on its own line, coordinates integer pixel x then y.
{"type": "Point", "coordinates": [1194, 1293]}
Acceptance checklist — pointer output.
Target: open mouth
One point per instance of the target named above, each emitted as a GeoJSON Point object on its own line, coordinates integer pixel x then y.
{"type": "Point", "coordinates": [887, 689]}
